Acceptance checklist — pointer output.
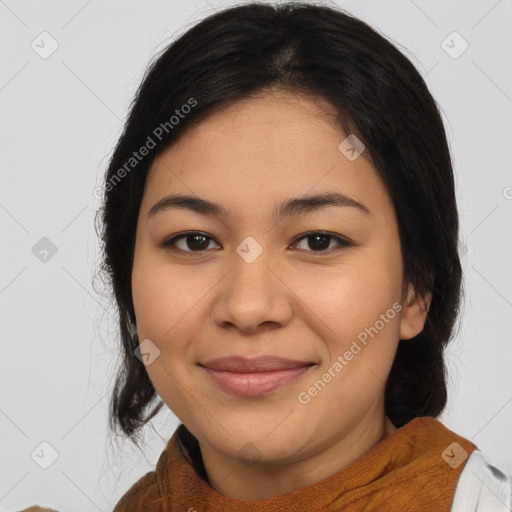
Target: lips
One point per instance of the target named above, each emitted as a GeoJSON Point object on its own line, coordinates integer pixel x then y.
{"type": "Point", "coordinates": [238, 364]}
{"type": "Point", "coordinates": [253, 377]}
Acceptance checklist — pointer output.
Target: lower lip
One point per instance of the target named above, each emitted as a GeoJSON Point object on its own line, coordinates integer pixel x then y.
{"type": "Point", "coordinates": [255, 383]}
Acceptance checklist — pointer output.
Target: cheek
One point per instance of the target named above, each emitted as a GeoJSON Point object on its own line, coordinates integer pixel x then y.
{"type": "Point", "coordinates": [351, 309]}
{"type": "Point", "coordinates": [167, 305]}
{"type": "Point", "coordinates": [351, 297]}
{"type": "Point", "coordinates": [164, 299]}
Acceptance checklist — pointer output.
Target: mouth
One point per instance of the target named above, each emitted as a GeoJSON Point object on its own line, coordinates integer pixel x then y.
{"type": "Point", "coordinates": [254, 377]}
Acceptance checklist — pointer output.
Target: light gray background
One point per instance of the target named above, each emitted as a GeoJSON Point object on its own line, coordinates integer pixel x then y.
{"type": "Point", "coordinates": [60, 118]}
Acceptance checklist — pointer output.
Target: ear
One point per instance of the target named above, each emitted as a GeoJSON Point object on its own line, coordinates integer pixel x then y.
{"type": "Point", "coordinates": [414, 313]}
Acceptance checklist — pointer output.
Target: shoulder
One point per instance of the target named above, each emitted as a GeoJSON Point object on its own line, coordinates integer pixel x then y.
{"type": "Point", "coordinates": [482, 487]}
{"type": "Point", "coordinates": [140, 494]}
{"type": "Point", "coordinates": [149, 493]}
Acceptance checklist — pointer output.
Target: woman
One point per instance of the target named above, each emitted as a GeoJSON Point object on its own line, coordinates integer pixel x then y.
{"type": "Point", "coordinates": [280, 230]}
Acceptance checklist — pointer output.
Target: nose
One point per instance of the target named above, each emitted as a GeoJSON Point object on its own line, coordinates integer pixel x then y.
{"type": "Point", "coordinates": [253, 296]}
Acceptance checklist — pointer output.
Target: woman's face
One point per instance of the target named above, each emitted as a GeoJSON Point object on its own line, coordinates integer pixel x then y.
{"type": "Point", "coordinates": [257, 282]}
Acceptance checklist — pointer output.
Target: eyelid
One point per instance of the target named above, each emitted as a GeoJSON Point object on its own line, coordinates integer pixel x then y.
{"type": "Point", "coordinates": [342, 242]}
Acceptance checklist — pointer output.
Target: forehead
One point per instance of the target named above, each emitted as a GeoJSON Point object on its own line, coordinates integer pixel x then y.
{"type": "Point", "coordinates": [271, 122]}
{"type": "Point", "coordinates": [275, 145]}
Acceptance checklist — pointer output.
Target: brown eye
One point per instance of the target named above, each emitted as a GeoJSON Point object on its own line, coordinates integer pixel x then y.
{"type": "Point", "coordinates": [321, 242]}
{"type": "Point", "coordinates": [193, 241]}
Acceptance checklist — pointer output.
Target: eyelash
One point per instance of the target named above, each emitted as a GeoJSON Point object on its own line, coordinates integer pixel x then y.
{"type": "Point", "coordinates": [342, 242]}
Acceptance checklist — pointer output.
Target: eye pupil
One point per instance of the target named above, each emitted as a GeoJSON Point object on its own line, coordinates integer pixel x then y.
{"type": "Point", "coordinates": [195, 238]}
{"type": "Point", "coordinates": [321, 245]}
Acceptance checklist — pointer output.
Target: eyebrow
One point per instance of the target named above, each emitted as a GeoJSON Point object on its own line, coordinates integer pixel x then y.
{"type": "Point", "coordinates": [295, 206]}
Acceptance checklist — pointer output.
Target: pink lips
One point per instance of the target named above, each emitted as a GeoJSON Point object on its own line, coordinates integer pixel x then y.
{"type": "Point", "coordinates": [253, 377]}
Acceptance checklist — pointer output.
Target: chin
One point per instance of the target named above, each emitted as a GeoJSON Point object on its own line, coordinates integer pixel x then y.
{"type": "Point", "coordinates": [266, 444]}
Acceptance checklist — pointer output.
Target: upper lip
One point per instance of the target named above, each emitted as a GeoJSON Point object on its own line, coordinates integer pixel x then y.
{"type": "Point", "coordinates": [240, 364]}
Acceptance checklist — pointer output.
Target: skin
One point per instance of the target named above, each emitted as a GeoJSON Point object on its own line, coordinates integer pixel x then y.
{"type": "Point", "coordinates": [295, 300]}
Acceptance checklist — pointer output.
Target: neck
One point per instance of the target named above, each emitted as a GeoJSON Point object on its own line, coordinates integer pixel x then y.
{"type": "Point", "coordinates": [236, 479]}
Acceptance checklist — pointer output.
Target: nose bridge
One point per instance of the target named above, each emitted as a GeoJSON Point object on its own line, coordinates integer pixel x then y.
{"type": "Point", "coordinates": [252, 281]}
{"type": "Point", "coordinates": [251, 293]}
{"type": "Point", "coordinates": [251, 266]}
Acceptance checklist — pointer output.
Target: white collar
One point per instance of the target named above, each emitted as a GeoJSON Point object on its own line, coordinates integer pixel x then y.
{"type": "Point", "coordinates": [482, 487]}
